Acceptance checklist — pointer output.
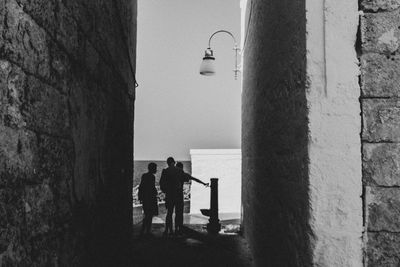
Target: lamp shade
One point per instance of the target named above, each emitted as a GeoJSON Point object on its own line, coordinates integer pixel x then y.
{"type": "Point", "coordinates": [207, 65]}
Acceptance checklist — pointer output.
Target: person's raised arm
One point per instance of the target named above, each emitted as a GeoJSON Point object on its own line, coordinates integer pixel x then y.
{"type": "Point", "coordinates": [197, 180]}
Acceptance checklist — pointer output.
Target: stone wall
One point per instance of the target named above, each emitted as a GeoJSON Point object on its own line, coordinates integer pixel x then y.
{"type": "Point", "coordinates": [66, 131]}
{"type": "Point", "coordinates": [275, 192]}
{"type": "Point", "coordinates": [380, 76]}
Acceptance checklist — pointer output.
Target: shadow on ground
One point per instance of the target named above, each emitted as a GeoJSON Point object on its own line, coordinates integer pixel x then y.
{"type": "Point", "coordinates": [193, 248]}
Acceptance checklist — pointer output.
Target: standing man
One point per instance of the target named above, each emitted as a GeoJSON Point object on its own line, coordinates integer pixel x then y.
{"type": "Point", "coordinates": [184, 178]}
{"type": "Point", "coordinates": [148, 197]}
{"type": "Point", "coordinates": [169, 183]}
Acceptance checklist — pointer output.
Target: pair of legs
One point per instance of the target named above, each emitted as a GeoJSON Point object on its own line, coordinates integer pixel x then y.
{"type": "Point", "coordinates": [178, 216]}
{"type": "Point", "coordinates": [146, 226]}
{"type": "Point", "coordinates": [178, 206]}
{"type": "Point", "coordinates": [168, 220]}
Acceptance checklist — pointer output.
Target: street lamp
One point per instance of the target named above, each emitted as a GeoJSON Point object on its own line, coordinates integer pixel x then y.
{"type": "Point", "coordinates": [207, 67]}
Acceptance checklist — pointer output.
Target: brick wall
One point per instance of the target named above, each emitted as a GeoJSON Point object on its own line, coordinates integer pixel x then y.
{"type": "Point", "coordinates": [380, 76]}
{"type": "Point", "coordinates": [66, 130]}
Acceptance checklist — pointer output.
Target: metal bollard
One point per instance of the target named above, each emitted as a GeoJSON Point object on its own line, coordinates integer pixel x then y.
{"type": "Point", "coordinates": [213, 226]}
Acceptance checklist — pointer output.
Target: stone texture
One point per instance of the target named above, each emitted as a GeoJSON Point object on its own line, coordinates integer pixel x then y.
{"type": "Point", "coordinates": [274, 135]}
{"type": "Point", "coordinates": [18, 156]}
{"type": "Point", "coordinates": [383, 249]}
{"type": "Point", "coordinates": [44, 12]}
{"type": "Point", "coordinates": [32, 103]}
{"type": "Point", "coordinates": [22, 41]}
{"type": "Point", "coordinates": [67, 32]}
{"type": "Point", "coordinates": [381, 120]}
{"type": "Point", "coordinates": [381, 164]}
{"type": "Point", "coordinates": [12, 213]}
{"type": "Point", "coordinates": [39, 209]}
{"type": "Point", "coordinates": [380, 75]}
{"type": "Point", "coordinates": [383, 209]}
{"type": "Point", "coordinates": [378, 5]}
{"type": "Point", "coordinates": [381, 32]}
{"type": "Point", "coordinates": [66, 127]}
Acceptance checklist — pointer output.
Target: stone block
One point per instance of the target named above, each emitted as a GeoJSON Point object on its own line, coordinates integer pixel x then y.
{"type": "Point", "coordinates": [380, 32]}
{"type": "Point", "coordinates": [383, 249]}
{"type": "Point", "coordinates": [57, 21]}
{"type": "Point", "coordinates": [43, 12]}
{"type": "Point", "coordinates": [18, 156]}
{"type": "Point", "coordinates": [381, 120]}
{"type": "Point", "coordinates": [12, 84]}
{"type": "Point", "coordinates": [28, 102]}
{"type": "Point", "coordinates": [381, 164]}
{"type": "Point", "coordinates": [22, 41]}
{"type": "Point", "coordinates": [45, 109]}
{"type": "Point", "coordinates": [382, 209]}
{"type": "Point", "coordinates": [380, 75]}
{"type": "Point", "coordinates": [377, 5]}
{"type": "Point", "coordinates": [39, 209]}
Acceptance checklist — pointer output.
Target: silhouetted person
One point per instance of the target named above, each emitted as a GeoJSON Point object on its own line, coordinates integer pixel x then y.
{"type": "Point", "coordinates": [169, 183]}
{"type": "Point", "coordinates": [185, 177]}
{"type": "Point", "coordinates": [148, 197]}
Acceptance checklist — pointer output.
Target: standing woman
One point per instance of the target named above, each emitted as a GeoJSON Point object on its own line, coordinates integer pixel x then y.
{"type": "Point", "coordinates": [148, 197]}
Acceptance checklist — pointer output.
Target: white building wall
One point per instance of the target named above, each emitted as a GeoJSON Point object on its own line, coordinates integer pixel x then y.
{"type": "Point", "coordinates": [224, 164]}
{"type": "Point", "coordinates": [334, 126]}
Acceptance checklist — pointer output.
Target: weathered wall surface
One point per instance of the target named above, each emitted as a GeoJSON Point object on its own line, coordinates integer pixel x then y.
{"type": "Point", "coordinates": [335, 125]}
{"type": "Point", "coordinates": [275, 194]}
{"type": "Point", "coordinates": [380, 76]}
{"type": "Point", "coordinates": [66, 130]}
{"type": "Point", "coordinates": [302, 181]}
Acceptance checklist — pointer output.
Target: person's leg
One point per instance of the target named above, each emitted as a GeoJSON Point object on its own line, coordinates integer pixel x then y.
{"type": "Point", "coordinates": [168, 219]}
{"type": "Point", "coordinates": [143, 226]}
{"type": "Point", "coordinates": [149, 219]}
{"type": "Point", "coordinates": [178, 216]}
{"type": "Point", "coordinates": [144, 220]}
{"type": "Point", "coordinates": [173, 206]}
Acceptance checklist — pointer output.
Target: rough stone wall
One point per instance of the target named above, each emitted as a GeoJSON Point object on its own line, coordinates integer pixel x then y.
{"type": "Point", "coordinates": [66, 131]}
{"type": "Point", "coordinates": [380, 76]}
{"type": "Point", "coordinates": [275, 182]}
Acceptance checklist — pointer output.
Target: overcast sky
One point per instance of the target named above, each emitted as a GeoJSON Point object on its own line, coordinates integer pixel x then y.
{"type": "Point", "coordinates": [177, 109]}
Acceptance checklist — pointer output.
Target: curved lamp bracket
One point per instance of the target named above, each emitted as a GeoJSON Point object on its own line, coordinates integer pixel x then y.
{"type": "Point", "coordinates": [206, 67]}
{"type": "Point", "coordinates": [229, 33]}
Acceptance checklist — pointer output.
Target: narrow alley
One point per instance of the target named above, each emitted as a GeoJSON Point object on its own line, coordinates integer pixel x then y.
{"type": "Point", "coordinates": [193, 248]}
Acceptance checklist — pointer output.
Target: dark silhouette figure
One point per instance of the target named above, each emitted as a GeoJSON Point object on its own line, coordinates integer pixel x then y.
{"type": "Point", "coordinates": [148, 197]}
{"type": "Point", "coordinates": [184, 178]}
{"type": "Point", "coordinates": [169, 183]}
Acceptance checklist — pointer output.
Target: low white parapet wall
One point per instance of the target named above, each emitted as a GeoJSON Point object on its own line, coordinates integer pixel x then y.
{"type": "Point", "coordinates": [224, 164]}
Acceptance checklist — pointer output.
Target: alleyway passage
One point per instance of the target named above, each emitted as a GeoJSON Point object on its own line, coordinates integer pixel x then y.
{"type": "Point", "coordinates": [193, 248]}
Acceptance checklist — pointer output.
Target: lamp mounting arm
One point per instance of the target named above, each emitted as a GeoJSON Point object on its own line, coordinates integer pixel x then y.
{"type": "Point", "coordinates": [206, 69]}
{"type": "Point", "coordinates": [229, 33]}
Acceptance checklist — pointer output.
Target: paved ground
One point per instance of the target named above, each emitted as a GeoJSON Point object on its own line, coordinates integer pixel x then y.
{"type": "Point", "coordinates": [194, 248]}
